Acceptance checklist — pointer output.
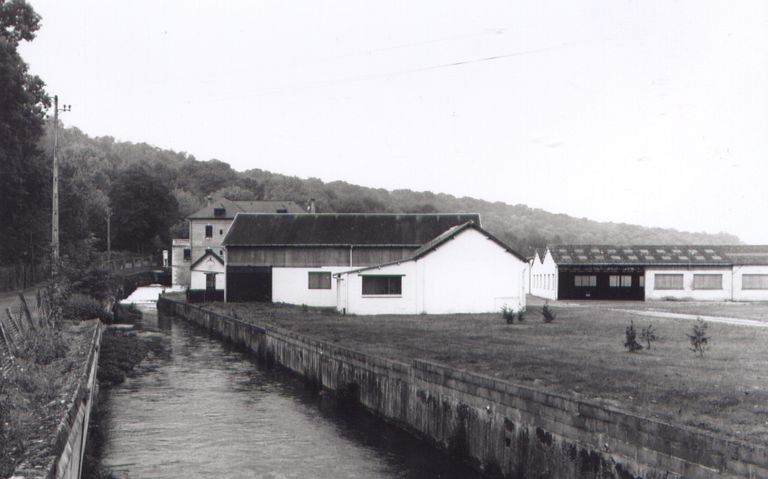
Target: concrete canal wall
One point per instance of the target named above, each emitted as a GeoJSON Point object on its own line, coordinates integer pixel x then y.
{"type": "Point", "coordinates": [505, 429]}
{"type": "Point", "coordinates": [65, 457]}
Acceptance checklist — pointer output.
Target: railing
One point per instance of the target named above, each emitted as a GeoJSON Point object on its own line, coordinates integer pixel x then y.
{"type": "Point", "coordinates": [22, 275]}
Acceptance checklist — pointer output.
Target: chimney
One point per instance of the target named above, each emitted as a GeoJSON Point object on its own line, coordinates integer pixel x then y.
{"type": "Point", "coordinates": [210, 200]}
{"type": "Point", "coordinates": [312, 205]}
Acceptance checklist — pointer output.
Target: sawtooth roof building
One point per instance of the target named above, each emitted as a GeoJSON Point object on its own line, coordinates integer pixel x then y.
{"type": "Point", "coordinates": [640, 272]}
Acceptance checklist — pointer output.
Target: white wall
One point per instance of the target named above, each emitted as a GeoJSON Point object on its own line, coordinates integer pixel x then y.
{"type": "Point", "coordinates": [471, 274]}
{"type": "Point", "coordinates": [291, 285]}
{"type": "Point", "coordinates": [209, 265]}
{"type": "Point", "coordinates": [179, 267]}
{"type": "Point", "coordinates": [352, 300]}
{"type": "Point", "coordinates": [544, 277]}
{"type": "Point", "coordinates": [468, 274]}
{"type": "Point", "coordinates": [748, 294]}
{"type": "Point", "coordinates": [724, 294]}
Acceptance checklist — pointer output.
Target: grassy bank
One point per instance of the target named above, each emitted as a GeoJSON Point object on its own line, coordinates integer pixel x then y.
{"type": "Point", "coordinates": [35, 393]}
{"type": "Point", "coordinates": [580, 354]}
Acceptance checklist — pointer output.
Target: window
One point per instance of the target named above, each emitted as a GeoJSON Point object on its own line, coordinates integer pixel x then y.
{"type": "Point", "coordinates": [219, 212]}
{"type": "Point", "coordinates": [319, 280]}
{"type": "Point", "coordinates": [584, 281]}
{"type": "Point", "coordinates": [187, 254]}
{"type": "Point", "coordinates": [221, 232]}
{"type": "Point", "coordinates": [210, 281]}
{"type": "Point", "coordinates": [641, 281]}
{"type": "Point", "coordinates": [382, 285]}
{"type": "Point", "coordinates": [707, 281]}
{"type": "Point", "coordinates": [754, 281]}
{"type": "Point", "coordinates": [620, 281]}
{"type": "Point", "coordinates": [209, 231]}
{"type": "Point", "coordinates": [668, 281]}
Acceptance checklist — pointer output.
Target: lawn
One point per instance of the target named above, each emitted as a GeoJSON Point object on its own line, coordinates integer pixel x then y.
{"type": "Point", "coordinates": [580, 354]}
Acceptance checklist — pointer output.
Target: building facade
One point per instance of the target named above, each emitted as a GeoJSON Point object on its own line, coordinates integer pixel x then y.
{"type": "Point", "coordinates": [464, 270]}
{"type": "Point", "coordinates": [209, 225]}
{"type": "Point", "coordinates": [657, 272]}
{"type": "Point", "coordinates": [293, 258]}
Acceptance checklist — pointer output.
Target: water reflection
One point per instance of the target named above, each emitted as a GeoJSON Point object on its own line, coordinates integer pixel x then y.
{"type": "Point", "coordinates": [201, 409]}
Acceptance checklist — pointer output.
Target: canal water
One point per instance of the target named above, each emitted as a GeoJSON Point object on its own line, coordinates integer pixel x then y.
{"type": "Point", "coordinates": [203, 409]}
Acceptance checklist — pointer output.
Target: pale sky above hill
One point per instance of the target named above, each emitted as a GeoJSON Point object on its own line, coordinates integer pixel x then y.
{"type": "Point", "coordinates": [652, 112]}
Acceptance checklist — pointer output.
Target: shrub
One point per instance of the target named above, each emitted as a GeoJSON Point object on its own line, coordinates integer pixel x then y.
{"type": "Point", "coordinates": [79, 307]}
{"type": "Point", "coordinates": [648, 334]}
{"type": "Point", "coordinates": [547, 314]}
{"type": "Point", "coordinates": [508, 314]}
{"type": "Point", "coordinates": [127, 313]}
{"type": "Point", "coordinates": [630, 339]}
{"type": "Point", "coordinates": [698, 337]}
{"type": "Point", "coordinates": [520, 316]}
{"type": "Point", "coordinates": [43, 346]}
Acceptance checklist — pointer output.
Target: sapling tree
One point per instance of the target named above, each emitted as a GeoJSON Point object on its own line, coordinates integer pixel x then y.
{"type": "Point", "coordinates": [630, 339]}
{"type": "Point", "coordinates": [508, 314]}
{"type": "Point", "coordinates": [648, 334]}
{"type": "Point", "coordinates": [698, 337]}
{"type": "Point", "coordinates": [547, 314]}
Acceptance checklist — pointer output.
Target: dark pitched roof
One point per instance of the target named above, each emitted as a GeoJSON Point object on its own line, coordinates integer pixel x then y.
{"type": "Point", "coordinates": [222, 208]}
{"type": "Point", "coordinates": [329, 229]}
{"type": "Point", "coordinates": [659, 255]}
{"type": "Point", "coordinates": [207, 254]}
{"type": "Point", "coordinates": [439, 240]}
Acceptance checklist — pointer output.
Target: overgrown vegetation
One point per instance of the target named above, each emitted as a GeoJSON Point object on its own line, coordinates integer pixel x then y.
{"type": "Point", "coordinates": [630, 339]}
{"type": "Point", "coordinates": [82, 307]}
{"type": "Point", "coordinates": [699, 338]}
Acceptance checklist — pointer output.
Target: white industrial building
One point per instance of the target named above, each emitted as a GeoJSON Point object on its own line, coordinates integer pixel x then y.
{"type": "Point", "coordinates": [656, 272]}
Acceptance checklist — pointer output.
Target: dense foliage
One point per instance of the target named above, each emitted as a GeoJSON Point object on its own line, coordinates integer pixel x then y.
{"type": "Point", "coordinates": [23, 178]}
{"type": "Point", "coordinates": [102, 164]}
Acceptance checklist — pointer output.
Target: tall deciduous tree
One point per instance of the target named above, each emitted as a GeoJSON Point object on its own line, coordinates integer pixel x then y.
{"type": "Point", "coordinates": [143, 209]}
{"type": "Point", "coordinates": [22, 173]}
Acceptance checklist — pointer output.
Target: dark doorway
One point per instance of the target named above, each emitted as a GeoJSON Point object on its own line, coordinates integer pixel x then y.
{"type": "Point", "coordinates": [601, 282]}
{"type": "Point", "coordinates": [249, 283]}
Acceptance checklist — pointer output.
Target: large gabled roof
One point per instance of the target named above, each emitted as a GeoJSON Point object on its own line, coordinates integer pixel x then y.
{"type": "Point", "coordinates": [440, 240]}
{"type": "Point", "coordinates": [231, 208]}
{"type": "Point", "coordinates": [659, 255]}
{"type": "Point", "coordinates": [341, 229]}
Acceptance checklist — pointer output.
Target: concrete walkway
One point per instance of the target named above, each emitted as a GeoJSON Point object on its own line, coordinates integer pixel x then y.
{"type": "Point", "coordinates": [715, 319]}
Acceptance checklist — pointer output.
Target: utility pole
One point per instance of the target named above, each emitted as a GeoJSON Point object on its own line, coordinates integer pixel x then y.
{"type": "Point", "coordinates": [55, 209]}
{"type": "Point", "coordinates": [109, 236]}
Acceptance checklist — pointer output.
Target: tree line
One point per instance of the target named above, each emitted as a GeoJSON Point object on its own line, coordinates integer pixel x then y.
{"type": "Point", "coordinates": [147, 192]}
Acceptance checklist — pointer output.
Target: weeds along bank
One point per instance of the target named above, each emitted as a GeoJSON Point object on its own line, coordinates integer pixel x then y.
{"type": "Point", "coordinates": [46, 398]}
{"type": "Point", "coordinates": [504, 429]}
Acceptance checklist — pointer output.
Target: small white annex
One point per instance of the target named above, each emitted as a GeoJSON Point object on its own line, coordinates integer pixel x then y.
{"type": "Point", "coordinates": [544, 276]}
{"type": "Point", "coordinates": [464, 270]}
{"type": "Point", "coordinates": [208, 273]}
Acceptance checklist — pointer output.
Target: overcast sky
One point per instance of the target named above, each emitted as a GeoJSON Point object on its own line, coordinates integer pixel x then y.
{"type": "Point", "coordinates": [652, 112]}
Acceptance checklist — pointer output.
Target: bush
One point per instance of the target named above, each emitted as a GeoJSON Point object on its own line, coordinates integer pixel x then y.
{"type": "Point", "coordinates": [630, 339]}
{"type": "Point", "coordinates": [508, 314]}
{"type": "Point", "coordinates": [43, 346]}
{"type": "Point", "coordinates": [648, 334]}
{"type": "Point", "coordinates": [127, 313]}
{"type": "Point", "coordinates": [698, 337]}
{"type": "Point", "coordinates": [520, 316]}
{"type": "Point", "coordinates": [79, 307]}
{"type": "Point", "coordinates": [547, 314]}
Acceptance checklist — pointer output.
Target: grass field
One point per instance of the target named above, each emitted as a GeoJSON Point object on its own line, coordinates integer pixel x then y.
{"type": "Point", "coordinates": [580, 354]}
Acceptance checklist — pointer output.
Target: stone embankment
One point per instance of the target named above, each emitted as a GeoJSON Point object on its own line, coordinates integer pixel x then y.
{"type": "Point", "coordinates": [506, 430]}
{"type": "Point", "coordinates": [63, 459]}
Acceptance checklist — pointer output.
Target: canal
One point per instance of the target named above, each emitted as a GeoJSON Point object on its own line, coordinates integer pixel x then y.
{"type": "Point", "coordinates": [203, 409]}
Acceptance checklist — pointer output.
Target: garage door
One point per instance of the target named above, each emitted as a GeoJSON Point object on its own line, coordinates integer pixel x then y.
{"type": "Point", "coordinates": [249, 283]}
